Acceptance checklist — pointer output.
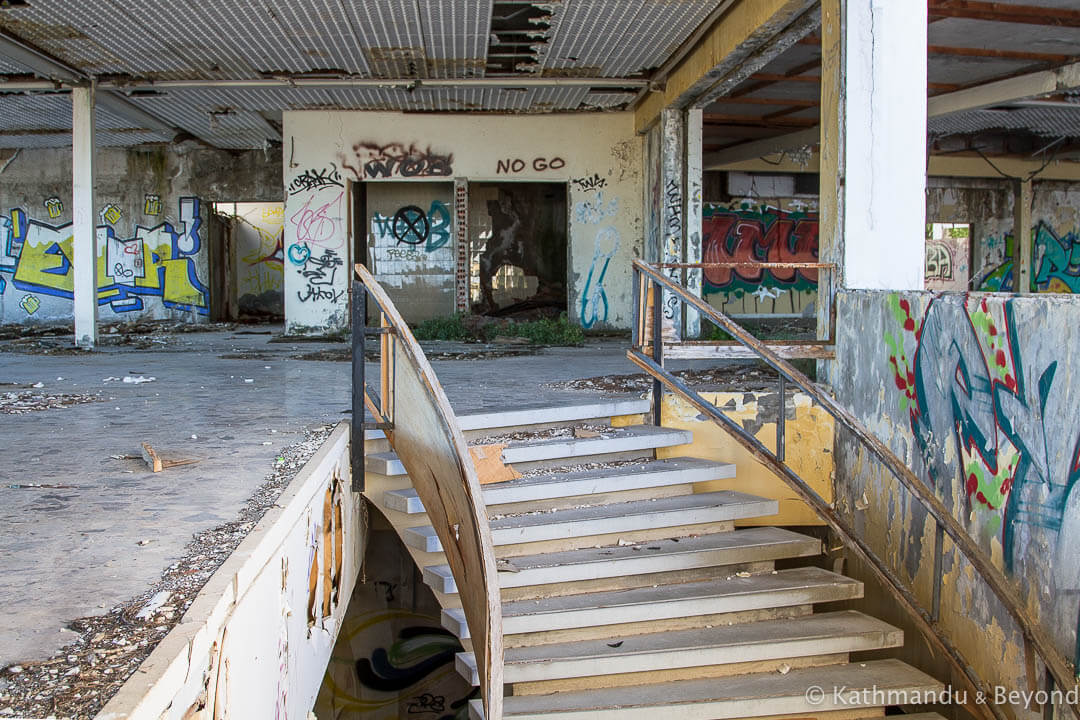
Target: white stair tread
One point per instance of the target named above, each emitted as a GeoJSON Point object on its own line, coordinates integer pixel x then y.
{"type": "Point", "coordinates": [821, 634]}
{"type": "Point", "coordinates": [797, 586]}
{"type": "Point", "coordinates": [654, 473]}
{"type": "Point", "coordinates": [624, 517]}
{"type": "Point", "coordinates": [542, 413]}
{"type": "Point", "coordinates": [624, 439]}
{"type": "Point", "coordinates": [738, 696]}
{"type": "Point", "coordinates": [546, 413]}
{"type": "Point", "coordinates": [728, 548]}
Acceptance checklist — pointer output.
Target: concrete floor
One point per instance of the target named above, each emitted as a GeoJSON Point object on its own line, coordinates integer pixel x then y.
{"type": "Point", "coordinates": [75, 551]}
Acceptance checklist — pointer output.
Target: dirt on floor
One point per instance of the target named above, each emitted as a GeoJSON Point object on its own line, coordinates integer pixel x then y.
{"type": "Point", "coordinates": [78, 681]}
{"type": "Point", "coordinates": [742, 377]}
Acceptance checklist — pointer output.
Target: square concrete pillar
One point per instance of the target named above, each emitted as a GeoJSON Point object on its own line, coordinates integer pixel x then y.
{"type": "Point", "coordinates": [83, 226]}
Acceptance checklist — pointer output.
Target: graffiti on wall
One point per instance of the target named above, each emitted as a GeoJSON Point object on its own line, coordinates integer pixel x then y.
{"type": "Point", "coordinates": [586, 184]}
{"type": "Point", "coordinates": [316, 178]}
{"type": "Point", "coordinates": [155, 262]}
{"type": "Point", "coordinates": [318, 225]}
{"type": "Point", "coordinates": [319, 272]}
{"type": "Point", "coordinates": [54, 206]}
{"type": "Point", "coordinates": [259, 242]}
{"type": "Point", "coordinates": [412, 226]}
{"type": "Point", "coordinates": [1055, 259]}
{"type": "Point", "coordinates": [538, 164]}
{"type": "Point", "coordinates": [594, 301]}
{"type": "Point", "coordinates": [371, 160]}
{"type": "Point", "coordinates": [969, 373]}
{"type": "Point", "coordinates": [758, 234]}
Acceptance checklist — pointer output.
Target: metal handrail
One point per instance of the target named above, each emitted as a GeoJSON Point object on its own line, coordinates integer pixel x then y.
{"type": "Point", "coordinates": [430, 444]}
{"type": "Point", "coordinates": [1035, 636]}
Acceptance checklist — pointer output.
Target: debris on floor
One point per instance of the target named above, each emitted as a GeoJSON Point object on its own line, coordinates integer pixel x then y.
{"type": "Point", "coordinates": [79, 679]}
{"type": "Point", "coordinates": [742, 377]}
{"type": "Point", "coordinates": [21, 402]}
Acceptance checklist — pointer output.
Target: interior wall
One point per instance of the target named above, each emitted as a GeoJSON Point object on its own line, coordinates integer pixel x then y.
{"type": "Point", "coordinates": [597, 154]}
{"type": "Point", "coordinates": [988, 206]}
{"type": "Point", "coordinates": [410, 245]}
{"type": "Point", "coordinates": [153, 245]}
{"type": "Point", "coordinates": [259, 258]}
{"type": "Point", "coordinates": [978, 394]}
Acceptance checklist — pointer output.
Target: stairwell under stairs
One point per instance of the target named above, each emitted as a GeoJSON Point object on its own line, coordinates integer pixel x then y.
{"type": "Point", "coordinates": [626, 595]}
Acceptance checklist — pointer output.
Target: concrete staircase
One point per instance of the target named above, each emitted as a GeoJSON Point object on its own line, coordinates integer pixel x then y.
{"type": "Point", "coordinates": [627, 595]}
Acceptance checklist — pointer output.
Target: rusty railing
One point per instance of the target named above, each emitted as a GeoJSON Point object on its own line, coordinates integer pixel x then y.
{"type": "Point", "coordinates": [652, 287]}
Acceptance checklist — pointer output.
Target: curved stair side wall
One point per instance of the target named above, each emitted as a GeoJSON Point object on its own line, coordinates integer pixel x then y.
{"type": "Point", "coordinates": [257, 639]}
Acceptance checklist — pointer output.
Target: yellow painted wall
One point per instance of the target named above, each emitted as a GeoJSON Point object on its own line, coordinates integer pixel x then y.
{"type": "Point", "coordinates": [808, 444]}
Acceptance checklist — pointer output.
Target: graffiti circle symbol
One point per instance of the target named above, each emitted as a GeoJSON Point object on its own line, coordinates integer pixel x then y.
{"type": "Point", "coordinates": [410, 225]}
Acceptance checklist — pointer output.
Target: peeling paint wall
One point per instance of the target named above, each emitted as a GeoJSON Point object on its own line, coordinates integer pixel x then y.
{"type": "Point", "coordinates": [808, 444]}
{"type": "Point", "coordinates": [257, 639]}
{"type": "Point", "coordinates": [153, 243]}
{"type": "Point", "coordinates": [598, 155]}
{"type": "Point", "coordinates": [980, 395]}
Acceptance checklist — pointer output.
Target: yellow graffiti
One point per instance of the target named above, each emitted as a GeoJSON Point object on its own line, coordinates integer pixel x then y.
{"type": "Point", "coordinates": [45, 263]}
{"type": "Point", "coordinates": [30, 304]}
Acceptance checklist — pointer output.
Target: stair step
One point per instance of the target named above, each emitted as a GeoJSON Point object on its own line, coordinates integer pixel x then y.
{"type": "Point", "coordinates": [542, 414]}
{"type": "Point", "coordinates": [624, 517]}
{"type": "Point", "coordinates": [619, 440]}
{"type": "Point", "coordinates": [798, 586]}
{"type": "Point", "coordinates": [655, 473]}
{"type": "Point", "coordinates": [728, 548]}
{"type": "Point", "coordinates": [822, 634]}
{"type": "Point", "coordinates": [737, 696]}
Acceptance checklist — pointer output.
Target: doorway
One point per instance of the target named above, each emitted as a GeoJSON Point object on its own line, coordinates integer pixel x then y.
{"type": "Point", "coordinates": [518, 248]}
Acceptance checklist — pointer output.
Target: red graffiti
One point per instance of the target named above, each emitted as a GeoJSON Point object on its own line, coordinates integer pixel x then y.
{"type": "Point", "coordinates": [768, 236]}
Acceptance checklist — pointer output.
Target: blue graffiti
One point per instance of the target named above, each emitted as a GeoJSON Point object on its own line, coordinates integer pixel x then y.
{"type": "Point", "coordinates": [155, 262]}
{"type": "Point", "coordinates": [1057, 261]}
{"type": "Point", "coordinates": [299, 253]}
{"type": "Point", "coordinates": [594, 300]}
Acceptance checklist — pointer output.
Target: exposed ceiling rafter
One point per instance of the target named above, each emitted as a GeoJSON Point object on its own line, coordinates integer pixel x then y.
{"type": "Point", "coordinates": [62, 74]}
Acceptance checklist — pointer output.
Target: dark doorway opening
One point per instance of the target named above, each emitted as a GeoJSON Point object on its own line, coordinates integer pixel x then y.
{"type": "Point", "coordinates": [518, 262]}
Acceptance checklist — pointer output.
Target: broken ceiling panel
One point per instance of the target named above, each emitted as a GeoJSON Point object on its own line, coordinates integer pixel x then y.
{"type": "Point", "coordinates": [619, 38]}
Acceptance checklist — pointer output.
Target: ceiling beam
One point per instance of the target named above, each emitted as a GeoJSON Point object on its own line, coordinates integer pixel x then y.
{"type": "Point", "coordinates": [1000, 92]}
{"type": "Point", "coordinates": [967, 166]}
{"type": "Point", "coordinates": [1055, 58]}
{"type": "Point", "coordinates": [61, 73]}
{"type": "Point", "coordinates": [715, 119]}
{"type": "Point", "coordinates": [745, 38]}
{"type": "Point", "coordinates": [1002, 12]}
{"type": "Point", "coordinates": [786, 102]}
{"type": "Point", "coordinates": [1043, 82]}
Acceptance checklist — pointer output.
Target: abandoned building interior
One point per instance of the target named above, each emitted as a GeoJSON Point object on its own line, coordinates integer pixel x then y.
{"type": "Point", "coordinates": [553, 360]}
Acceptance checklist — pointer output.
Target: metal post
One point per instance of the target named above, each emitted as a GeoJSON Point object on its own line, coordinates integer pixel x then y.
{"type": "Point", "coordinates": [939, 547]}
{"type": "Point", "coordinates": [657, 351]}
{"type": "Point", "coordinates": [636, 289]}
{"type": "Point", "coordinates": [781, 418]}
{"type": "Point", "coordinates": [359, 337]}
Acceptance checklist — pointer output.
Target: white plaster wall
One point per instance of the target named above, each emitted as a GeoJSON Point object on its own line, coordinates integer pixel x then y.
{"type": "Point", "coordinates": [600, 150]}
{"type": "Point", "coordinates": [885, 140]}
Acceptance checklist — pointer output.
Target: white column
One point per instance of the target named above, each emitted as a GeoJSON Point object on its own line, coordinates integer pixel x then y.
{"type": "Point", "coordinates": [692, 215]}
{"type": "Point", "coordinates": [672, 208]}
{"type": "Point", "coordinates": [84, 260]}
{"type": "Point", "coordinates": [884, 153]}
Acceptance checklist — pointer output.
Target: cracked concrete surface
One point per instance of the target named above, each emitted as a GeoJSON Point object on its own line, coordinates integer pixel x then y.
{"type": "Point", "coordinates": [68, 552]}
